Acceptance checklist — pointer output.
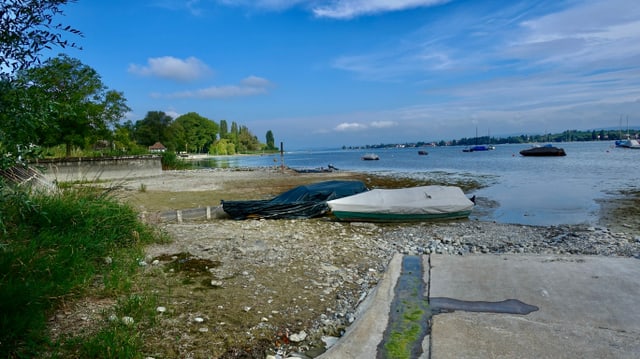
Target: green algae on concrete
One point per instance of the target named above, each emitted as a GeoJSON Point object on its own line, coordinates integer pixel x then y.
{"type": "Point", "coordinates": [409, 315]}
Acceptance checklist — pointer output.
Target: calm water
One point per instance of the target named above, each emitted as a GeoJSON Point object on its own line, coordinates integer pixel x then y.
{"type": "Point", "coordinates": [526, 190]}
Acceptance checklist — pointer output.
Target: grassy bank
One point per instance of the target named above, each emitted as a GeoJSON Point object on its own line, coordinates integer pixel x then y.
{"type": "Point", "coordinates": [55, 247]}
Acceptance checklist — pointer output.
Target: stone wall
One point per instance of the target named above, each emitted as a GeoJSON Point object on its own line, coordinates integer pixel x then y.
{"type": "Point", "coordinates": [105, 168]}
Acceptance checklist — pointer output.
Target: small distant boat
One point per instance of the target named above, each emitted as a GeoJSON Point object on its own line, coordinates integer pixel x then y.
{"type": "Point", "coordinates": [370, 157]}
{"type": "Point", "coordinates": [479, 148]}
{"type": "Point", "coordinates": [629, 143]}
{"type": "Point", "coordinates": [421, 203]}
{"type": "Point", "coordinates": [546, 150]}
{"type": "Point", "coordinates": [423, 153]}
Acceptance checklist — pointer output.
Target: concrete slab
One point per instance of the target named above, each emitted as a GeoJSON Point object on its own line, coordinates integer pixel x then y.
{"type": "Point", "coordinates": [588, 307]}
{"type": "Point", "coordinates": [363, 336]}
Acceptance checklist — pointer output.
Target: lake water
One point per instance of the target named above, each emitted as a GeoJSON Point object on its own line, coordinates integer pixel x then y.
{"type": "Point", "coordinates": [525, 190]}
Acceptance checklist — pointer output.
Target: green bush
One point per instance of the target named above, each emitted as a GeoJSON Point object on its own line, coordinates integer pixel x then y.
{"type": "Point", "coordinates": [52, 247]}
{"type": "Point", "coordinates": [170, 161]}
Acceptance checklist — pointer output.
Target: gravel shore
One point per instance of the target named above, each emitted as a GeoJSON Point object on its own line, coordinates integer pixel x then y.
{"type": "Point", "coordinates": [286, 288]}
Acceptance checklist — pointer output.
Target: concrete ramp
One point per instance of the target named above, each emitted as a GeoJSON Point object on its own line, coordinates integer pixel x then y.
{"type": "Point", "coordinates": [588, 307]}
{"type": "Point", "coordinates": [512, 306]}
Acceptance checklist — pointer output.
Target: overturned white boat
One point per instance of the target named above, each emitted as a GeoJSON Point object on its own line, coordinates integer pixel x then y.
{"type": "Point", "coordinates": [402, 205]}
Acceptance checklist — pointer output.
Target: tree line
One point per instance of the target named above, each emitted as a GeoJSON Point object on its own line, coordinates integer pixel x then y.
{"type": "Point", "coordinates": [190, 133]}
{"type": "Point", "coordinates": [62, 102]}
{"type": "Point", "coordinates": [565, 136]}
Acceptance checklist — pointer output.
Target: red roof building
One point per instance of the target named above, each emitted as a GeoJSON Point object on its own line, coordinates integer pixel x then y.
{"type": "Point", "coordinates": [157, 147]}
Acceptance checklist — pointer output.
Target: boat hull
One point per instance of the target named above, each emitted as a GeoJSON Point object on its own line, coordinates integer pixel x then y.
{"type": "Point", "coordinates": [423, 203]}
{"type": "Point", "coordinates": [543, 152]}
{"type": "Point", "coordinates": [397, 217]}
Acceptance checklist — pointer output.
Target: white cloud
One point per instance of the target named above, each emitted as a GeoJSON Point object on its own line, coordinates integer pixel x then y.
{"type": "Point", "coordinates": [172, 68]}
{"type": "Point", "coordinates": [264, 4]}
{"type": "Point", "coordinates": [336, 9]}
{"type": "Point", "coordinates": [255, 81]}
{"type": "Point", "coordinates": [250, 86]}
{"type": "Point", "coordinates": [586, 33]}
{"type": "Point", "coordinates": [350, 126]}
{"type": "Point", "coordinates": [384, 124]}
{"type": "Point", "coordinates": [348, 9]}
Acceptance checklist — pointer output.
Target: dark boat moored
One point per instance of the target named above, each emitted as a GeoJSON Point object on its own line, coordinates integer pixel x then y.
{"type": "Point", "coordinates": [541, 151]}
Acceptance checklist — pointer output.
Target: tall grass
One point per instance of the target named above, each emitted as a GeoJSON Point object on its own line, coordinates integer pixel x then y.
{"type": "Point", "coordinates": [52, 248]}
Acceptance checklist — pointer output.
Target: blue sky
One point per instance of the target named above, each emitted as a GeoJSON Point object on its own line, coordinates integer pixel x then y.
{"type": "Point", "coordinates": [327, 73]}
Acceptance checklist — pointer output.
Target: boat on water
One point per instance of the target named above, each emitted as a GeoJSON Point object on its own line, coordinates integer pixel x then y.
{"type": "Point", "coordinates": [423, 153]}
{"type": "Point", "coordinates": [422, 203]}
{"type": "Point", "coordinates": [628, 143]}
{"type": "Point", "coordinates": [479, 148]}
{"type": "Point", "coordinates": [546, 150]}
{"type": "Point", "coordinates": [308, 201]}
{"type": "Point", "coordinates": [370, 157]}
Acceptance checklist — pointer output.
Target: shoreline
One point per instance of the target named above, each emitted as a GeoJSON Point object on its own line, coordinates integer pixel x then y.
{"type": "Point", "coordinates": [253, 288]}
{"type": "Point", "coordinates": [207, 187]}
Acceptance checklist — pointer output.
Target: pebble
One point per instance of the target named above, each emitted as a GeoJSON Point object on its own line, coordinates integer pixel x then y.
{"type": "Point", "coordinates": [298, 337]}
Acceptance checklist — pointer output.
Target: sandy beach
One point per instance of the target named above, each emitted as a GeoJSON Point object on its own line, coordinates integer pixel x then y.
{"type": "Point", "coordinates": [254, 288]}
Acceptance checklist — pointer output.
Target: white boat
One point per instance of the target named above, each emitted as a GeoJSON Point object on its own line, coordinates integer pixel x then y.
{"type": "Point", "coordinates": [402, 205]}
{"type": "Point", "coordinates": [629, 143]}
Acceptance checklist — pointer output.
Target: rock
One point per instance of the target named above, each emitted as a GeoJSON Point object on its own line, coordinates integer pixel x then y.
{"type": "Point", "coordinates": [329, 341]}
{"type": "Point", "coordinates": [298, 337]}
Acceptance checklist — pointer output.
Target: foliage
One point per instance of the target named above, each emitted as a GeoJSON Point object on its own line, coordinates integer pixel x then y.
{"type": "Point", "coordinates": [27, 28]}
{"type": "Point", "coordinates": [193, 133]}
{"type": "Point", "coordinates": [153, 128]}
{"type": "Point", "coordinates": [222, 148]}
{"type": "Point", "coordinates": [271, 142]}
{"type": "Point", "coordinates": [79, 106]}
{"type": "Point", "coordinates": [52, 248]}
{"type": "Point", "coordinates": [18, 124]}
{"type": "Point", "coordinates": [224, 129]}
{"type": "Point", "coordinates": [170, 161]}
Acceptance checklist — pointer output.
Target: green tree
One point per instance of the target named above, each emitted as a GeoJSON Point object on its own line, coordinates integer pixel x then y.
{"type": "Point", "coordinates": [247, 141]}
{"type": "Point", "coordinates": [19, 118]}
{"type": "Point", "coordinates": [221, 147]}
{"type": "Point", "coordinates": [194, 132]}
{"type": "Point", "coordinates": [224, 129]}
{"type": "Point", "coordinates": [153, 128]}
{"type": "Point", "coordinates": [234, 132]}
{"type": "Point", "coordinates": [271, 142]}
{"type": "Point", "coordinates": [123, 140]}
{"type": "Point", "coordinates": [80, 107]}
{"type": "Point", "coordinates": [27, 28]}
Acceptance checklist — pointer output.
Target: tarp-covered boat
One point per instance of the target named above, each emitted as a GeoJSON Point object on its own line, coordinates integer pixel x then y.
{"type": "Point", "coordinates": [402, 205]}
{"type": "Point", "coordinates": [300, 202]}
{"type": "Point", "coordinates": [546, 150]}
